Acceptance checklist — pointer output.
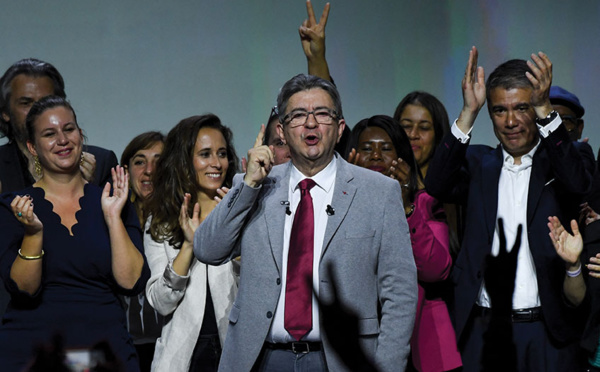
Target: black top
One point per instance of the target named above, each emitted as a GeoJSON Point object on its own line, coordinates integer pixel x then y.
{"type": "Point", "coordinates": [78, 296]}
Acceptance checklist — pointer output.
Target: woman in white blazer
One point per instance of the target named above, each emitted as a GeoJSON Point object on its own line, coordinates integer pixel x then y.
{"type": "Point", "coordinates": [197, 161]}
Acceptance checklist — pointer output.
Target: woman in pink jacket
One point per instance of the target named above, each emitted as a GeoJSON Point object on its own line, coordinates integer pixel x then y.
{"type": "Point", "coordinates": [380, 144]}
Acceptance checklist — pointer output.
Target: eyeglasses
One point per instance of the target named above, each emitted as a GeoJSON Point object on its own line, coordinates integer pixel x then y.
{"type": "Point", "coordinates": [299, 117]}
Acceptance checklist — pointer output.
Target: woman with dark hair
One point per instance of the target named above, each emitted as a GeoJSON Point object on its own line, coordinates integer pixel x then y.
{"type": "Point", "coordinates": [198, 159]}
{"type": "Point", "coordinates": [68, 248]}
{"type": "Point", "coordinates": [380, 144]}
{"type": "Point", "coordinates": [425, 120]}
{"type": "Point", "coordinates": [139, 160]}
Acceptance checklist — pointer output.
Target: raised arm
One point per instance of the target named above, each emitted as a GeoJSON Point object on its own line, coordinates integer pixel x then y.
{"type": "Point", "coordinates": [569, 248]}
{"type": "Point", "coordinates": [170, 276]}
{"type": "Point", "coordinates": [127, 261]}
{"type": "Point", "coordinates": [541, 80]}
{"type": "Point", "coordinates": [473, 91]}
{"type": "Point", "coordinates": [312, 36]}
{"type": "Point", "coordinates": [215, 241]}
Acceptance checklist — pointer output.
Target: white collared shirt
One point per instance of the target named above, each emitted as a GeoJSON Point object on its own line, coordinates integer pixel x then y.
{"type": "Point", "coordinates": [513, 187]}
{"type": "Point", "coordinates": [322, 195]}
{"type": "Point", "coordinates": [513, 190]}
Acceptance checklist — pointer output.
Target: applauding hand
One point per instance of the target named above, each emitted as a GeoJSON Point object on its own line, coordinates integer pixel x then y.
{"type": "Point", "coordinates": [189, 224]}
{"type": "Point", "coordinates": [567, 246]}
{"type": "Point", "coordinates": [112, 205]}
{"type": "Point", "coordinates": [22, 207]}
{"type": "Point", "coordinates": [473, 91]}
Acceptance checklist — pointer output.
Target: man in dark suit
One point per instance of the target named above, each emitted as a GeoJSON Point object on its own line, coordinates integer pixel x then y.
{"type": "Point", "coordinates": [536, 172]}
{"type": "Point", "coordinates": [24, 83]}
{"type": "Point", "coordinates": [359, 248]}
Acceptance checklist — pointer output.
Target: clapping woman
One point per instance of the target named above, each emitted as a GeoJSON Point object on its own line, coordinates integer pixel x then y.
{"type": "Point", "coordinates": [139, 160]}
{"type": "Point", "coordinates": [380, 144]}
{"type": "Point", "coordinates": [198, 159]}
{"type": "Point", "coordinates": [68, 248]}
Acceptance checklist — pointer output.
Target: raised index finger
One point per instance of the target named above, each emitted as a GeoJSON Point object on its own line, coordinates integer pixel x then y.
{"type": "Point", "coordinates": [259, 138]}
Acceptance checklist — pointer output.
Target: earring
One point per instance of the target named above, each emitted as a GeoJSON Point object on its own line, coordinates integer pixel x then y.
{"type": "Point", "coordinates": [82, 159]}
{"type": "Point", "coordinates": [37, 165]}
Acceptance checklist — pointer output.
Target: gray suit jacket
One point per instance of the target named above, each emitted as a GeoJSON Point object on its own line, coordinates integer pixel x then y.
{"type": "Point", "coordinates": [366, 243]}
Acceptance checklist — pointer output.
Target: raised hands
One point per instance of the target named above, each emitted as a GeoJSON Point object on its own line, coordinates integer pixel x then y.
{"type": "Point", "coordinates": [567, 246]}
{"type": "Point", "coordinates": [87, 166]}
{"type": "Point", "coordinates": [312, 36]}
{"type": "Point", "coordinates": [22, 207]}
{"type": "Point", "coordinates": [260, 161]}
{"type": "Point", "coordinates": [473, 90]}
{"type": "Point", "coordinates": [112, 205]}
{"type": "Point", "coordinates": [189, 225]}
{"type": "Point", "coordinates": [541, 81]}
{"type": "Point", "coordinates": [399, 170]}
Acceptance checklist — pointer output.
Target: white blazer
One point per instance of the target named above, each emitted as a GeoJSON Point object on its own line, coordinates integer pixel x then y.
{"type": "Point", "coordinates": [181, 299]}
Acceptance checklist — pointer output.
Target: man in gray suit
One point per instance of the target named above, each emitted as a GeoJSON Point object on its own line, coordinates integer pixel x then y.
{"type": "Point", "coordinates": [360, 247]}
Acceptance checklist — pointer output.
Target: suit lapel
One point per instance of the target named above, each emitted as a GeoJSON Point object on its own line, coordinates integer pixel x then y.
{"type": "Point", "coordinates": [491, 168]}
{"type": "Point", "coordinates": [274, 214]}
{"type": "Point", "coordinates": [537, 182]}
{"type": "Point", "coordinates": [343, 194]}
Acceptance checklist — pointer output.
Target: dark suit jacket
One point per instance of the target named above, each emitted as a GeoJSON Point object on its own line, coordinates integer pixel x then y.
{"type": "Point", "coordinates": [561, 175]}
{"type": "Point", "coordinates": [591, 334]}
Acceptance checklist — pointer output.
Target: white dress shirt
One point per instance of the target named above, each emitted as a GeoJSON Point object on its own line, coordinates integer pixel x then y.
{"type": "Point", "coordinates": [321, 194]}
{"type": "Point", "coordinates": [513, 190]}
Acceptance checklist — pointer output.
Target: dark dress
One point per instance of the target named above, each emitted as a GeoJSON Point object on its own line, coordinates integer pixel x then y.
{"type": "Point", "coordinates": [78, 296]}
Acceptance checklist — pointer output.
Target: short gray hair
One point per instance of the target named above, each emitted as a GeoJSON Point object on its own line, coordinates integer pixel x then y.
{"type": "Point", "coordinates": [302, 82]}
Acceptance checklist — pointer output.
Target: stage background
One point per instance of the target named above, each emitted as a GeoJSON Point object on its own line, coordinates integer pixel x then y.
{"type": "Point", "coordinates": [133, 66]}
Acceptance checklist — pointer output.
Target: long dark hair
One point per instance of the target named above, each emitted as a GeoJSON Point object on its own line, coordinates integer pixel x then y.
{"type": "Point", "coordinates": [439, 116]}
{"type": "Point", "coordinates": [175, 175]}
{"type": "Point", "coordinates": [399, 140]}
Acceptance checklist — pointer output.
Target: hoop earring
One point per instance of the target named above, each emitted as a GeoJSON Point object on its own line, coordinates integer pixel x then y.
{"type": "Point", "coordinates": [37, 166]}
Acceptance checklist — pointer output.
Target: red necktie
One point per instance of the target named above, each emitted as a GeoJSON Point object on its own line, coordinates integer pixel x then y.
{"type": "Point", "coordinates": [298, 290]}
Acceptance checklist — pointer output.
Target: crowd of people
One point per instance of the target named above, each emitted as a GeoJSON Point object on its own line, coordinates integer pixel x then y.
{"type": "Point", "coordinates": [394, 245]}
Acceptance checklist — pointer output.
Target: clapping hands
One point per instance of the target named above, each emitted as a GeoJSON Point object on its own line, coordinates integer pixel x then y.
{"type": "Point", "coordinates": [112, 205]}
{"type": "Point", "coordinates": [189, 224]}
{"type": "Point", "coordinates": [22, 207]}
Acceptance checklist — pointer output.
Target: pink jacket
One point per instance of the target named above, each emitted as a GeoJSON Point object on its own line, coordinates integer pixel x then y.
{"type": "Point", "coordinates": [433, 341]}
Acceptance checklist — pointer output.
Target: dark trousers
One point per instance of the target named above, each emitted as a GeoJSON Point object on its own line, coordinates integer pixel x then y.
{"type": "Point", "coordinates": [207, 353]}
{"type": "Point", "coordinates": [287, 361]}
{"type": "Point", "coordinates": [536, 351]}
{"type": "Point", "coordinates": [145, 355]}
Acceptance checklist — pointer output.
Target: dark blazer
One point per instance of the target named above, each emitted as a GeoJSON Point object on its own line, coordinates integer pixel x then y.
{"type": "Point", "coordinates": [561, 175]}
{"type": "Point", "coordinates": [591, 334]}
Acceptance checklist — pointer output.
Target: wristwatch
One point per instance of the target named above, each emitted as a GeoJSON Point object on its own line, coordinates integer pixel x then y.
{"type": "Point", "coordinates": [548, 119]}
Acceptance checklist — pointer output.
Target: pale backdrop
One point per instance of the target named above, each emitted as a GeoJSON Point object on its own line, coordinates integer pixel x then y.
{"type": "Point", "coordinates": [133, 66]}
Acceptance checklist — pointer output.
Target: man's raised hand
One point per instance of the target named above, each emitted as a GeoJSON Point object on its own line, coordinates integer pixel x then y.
{"type": "Point", "coordinates": [260, 161]}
